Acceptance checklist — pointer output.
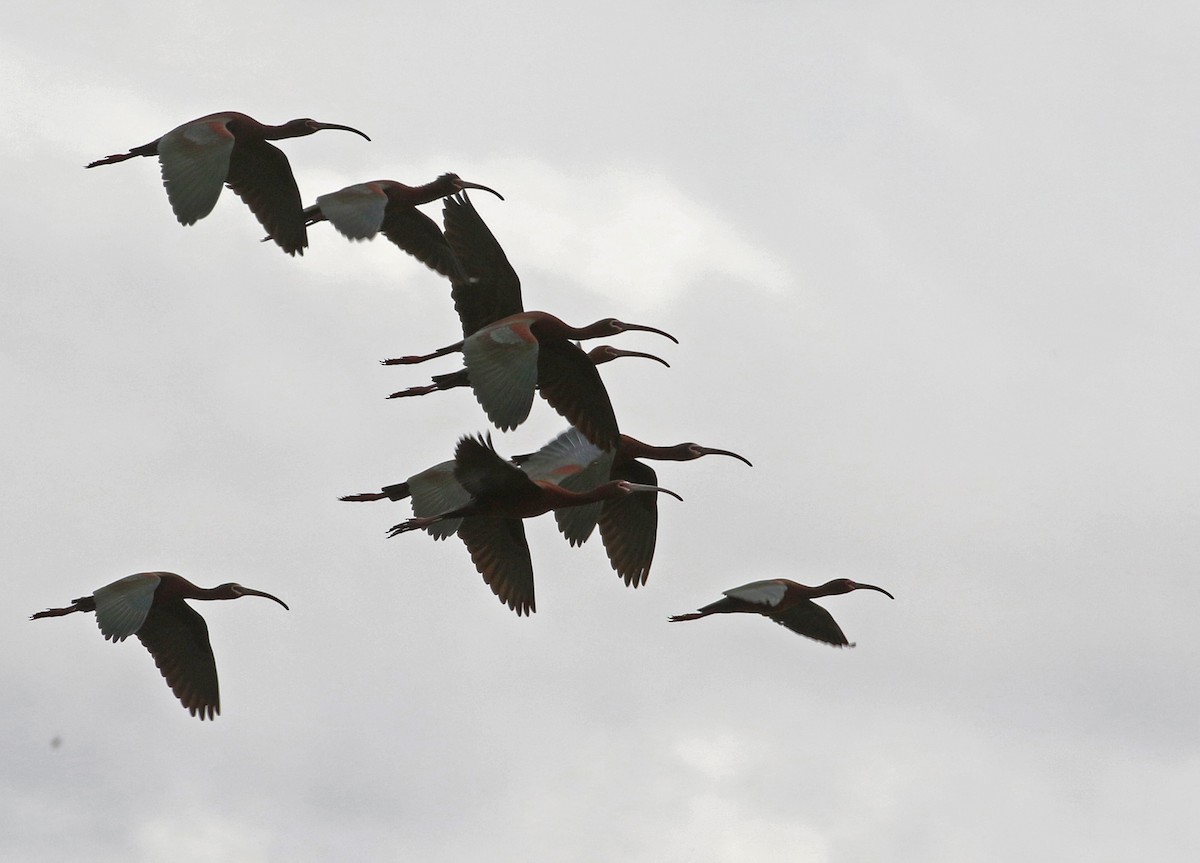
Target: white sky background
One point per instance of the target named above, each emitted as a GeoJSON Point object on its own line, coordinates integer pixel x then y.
{"type": "Point", "coordinates": [934, 271]}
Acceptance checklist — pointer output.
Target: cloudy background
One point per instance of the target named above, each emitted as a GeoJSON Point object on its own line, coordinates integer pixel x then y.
{"type": "Point", "coordinates": [934, 271]}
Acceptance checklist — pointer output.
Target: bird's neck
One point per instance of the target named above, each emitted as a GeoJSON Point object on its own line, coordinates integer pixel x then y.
{"type": "Point", "coordinates": [428, 192]}
{"type": "Point", "coordinates": [591, 331]}
{"type": "Point", "coordinates": [634, 448]}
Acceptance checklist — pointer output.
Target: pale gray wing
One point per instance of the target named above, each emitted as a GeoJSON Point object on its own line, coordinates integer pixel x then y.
{"type": "Point", "coordinates": [121, 607]}
{"type": "Point", "coordinates": [576, 464]}
{"type": "Point", "coordinates": [355, 211]}
{"type": "Point", "coordinates": [502, 364]}
{"type": "Point", "coordinates": [194, 159]}
{"type": "Point", "coordinates": [435, 491]}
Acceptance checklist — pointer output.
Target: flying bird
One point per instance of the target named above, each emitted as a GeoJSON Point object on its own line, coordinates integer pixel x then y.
{"type": "Point", "coordinates": [788, 604]}
{"type": "Point", "coordinates": [361, 211]}
{"type": "Point", "coordinates": [231, 148]}
{"type": "Point", "coordinates": [498, 496]}
{"type": "Point", "coordinates": [151, 606]}
{"type": "Point", "coordinates": [628, 526]}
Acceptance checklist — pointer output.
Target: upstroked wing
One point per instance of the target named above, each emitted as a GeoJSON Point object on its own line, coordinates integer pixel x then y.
{"type": "Point", "coordinates": [576, 464]}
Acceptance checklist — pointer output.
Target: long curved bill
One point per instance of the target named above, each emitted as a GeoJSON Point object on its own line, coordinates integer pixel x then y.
{"type": "Point", "coordinates": [637, 486]}
{"type": "Point", "coordinates": [645, 329]}
{"type": "Point", "coordinates": [463, 184]}
{"type": "Point", "coordinates": [710, 451]}
{"type": "Point", "coordinates": [251, 592]}
{"type": "Point", "coordinates": [619, 352]}
{"type": "Point", "coordinates": [862, 586]}
{"type": "Point", "coordinates": [344, 129]}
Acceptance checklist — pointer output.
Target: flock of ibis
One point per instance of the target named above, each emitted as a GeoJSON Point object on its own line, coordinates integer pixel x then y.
{"type": "Point", "coordinates": [591, 475]}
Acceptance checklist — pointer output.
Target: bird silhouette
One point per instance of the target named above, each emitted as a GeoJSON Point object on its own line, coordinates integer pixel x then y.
{"type": "Point", "coordinates": [361, 211]}
{"type": "Point", "coordinates": [151, 606]}
{"type": "Point", "coordinates": [787, 603]}
{"type": "Point", "coordinates": [231, 148]}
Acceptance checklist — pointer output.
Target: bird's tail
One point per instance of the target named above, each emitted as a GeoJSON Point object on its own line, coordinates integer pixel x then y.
{"type": "Point", "coordinates": [415, 391]}
{"type": "Point", "coordinates": [695, 615]}
{"type": "Point", "coordinates": [397, 491]}
{"type": "Point", "coordinates": [112, 160]}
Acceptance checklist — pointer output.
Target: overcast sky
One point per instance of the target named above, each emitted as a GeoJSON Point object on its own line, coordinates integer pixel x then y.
{"type": "Point", "coordinates": [934, 270]}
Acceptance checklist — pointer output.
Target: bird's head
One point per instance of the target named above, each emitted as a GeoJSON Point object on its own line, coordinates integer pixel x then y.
{"type": "Point", "coordinates": [457, 184]}
{"type": "Point", "coordinates": [627, 488]}
{"type": "Point", "coordinates": [612, 327]}
{"type": "Point", "coordinates": [845, 585]}
{"type": "Point", "coordinates": [607, 353]}
{"type": "Point", "coordinates": [307, 126]}
{"type": "Point", "coordinates": [235, 591]}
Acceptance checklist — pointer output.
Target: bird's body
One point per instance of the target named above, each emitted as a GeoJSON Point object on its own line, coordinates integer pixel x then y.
{"type": "Point", "coordinates": [789, 604]}
{"type": "Point", "coordinates": [628, 526]}
{"type": "Point", "coordinates": [499, 495]}
{"type": "Point", "coordinates": [199, 157]}
{"type": "Point", "coordinates": [151, 606]}
{"type": "Point", "coordinates": [510, 360]}
{"type": "Point", "coordinates": [361, 211]}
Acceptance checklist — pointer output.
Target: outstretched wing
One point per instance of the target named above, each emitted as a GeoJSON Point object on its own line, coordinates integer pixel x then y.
{"type": "Point", "coordinates": [629, 524]}
{"type": "Point", "coordinates": [491, 289]}
{"type": "Point", "coordinates": [576, 464]}
{"type": "Point", "coordinates": [501, 555]}
{"type": "Point", "coordinates": [194, 160]}
{"type": "Point", "coordinates": [434, 491]}
{"type": "Point", "coordinates": [568, 379]}
{"type": "Point", "coordinates": [420, 236]}
{"type": "Point", "coordinates": [355, 211]}
{"type": "Point", "coordinates": [121, 607]}
{"type": "Point", "coordinates": [177, 638]}
{"type": "Point", "coordinates": [812, 621]}
{"type": "Point", "coordinates": [502, 364]}
{"type": "Point", "coordinates": [259, 173]}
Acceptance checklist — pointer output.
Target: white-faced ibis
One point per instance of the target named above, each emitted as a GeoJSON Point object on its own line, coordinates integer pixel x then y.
{"type": "Point", "coordinates": [361, 211]}
{"type": "Point", "coordinates": [629, 525]}
{"type": "Point", "coordinates": [788, 604]}
{"type": "Point", "coordinates": [500, 495]}
{"type": "Point", "coordinates": [510, 360]}
{"type": "Point", "coordinates": [231, 148]}
{"type": "Point", "coordinates": [598, 355]}
{"type": "Point", "coordinates": [151, 606]}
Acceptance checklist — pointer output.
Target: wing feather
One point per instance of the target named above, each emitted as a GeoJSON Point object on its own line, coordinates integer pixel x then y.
{"type": "Point", "coordinates": [177, 637]}
{"type": "Point", "coordinates": [259, 173]}
{"type": "Point", "coordinates": [501, 555]}
{"type": "Point", "coordinates": [502, 365]}
{"type": "Point", "coordinates": [568, 379]}
{"type": "Point", "coordinates": [629, 525]}
{"type": "Point", "coordinates": [812, 621]}
{"type": "Point", "coordinates": [121, 607]}
{"type": "Point", "coordinates": [194, 160]}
